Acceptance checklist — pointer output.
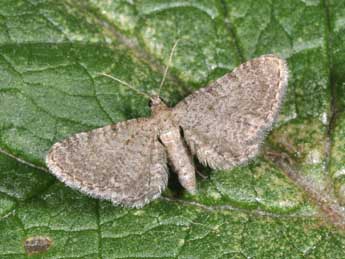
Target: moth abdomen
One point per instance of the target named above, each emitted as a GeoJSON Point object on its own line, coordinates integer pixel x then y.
{"type": "Point", "coordinates": [179, 158]}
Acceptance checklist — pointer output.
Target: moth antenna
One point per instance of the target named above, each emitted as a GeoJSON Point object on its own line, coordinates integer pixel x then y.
{"type": "Point", "coordinates": [168, 65]}
{"type": "Point", "coordinates": [127, 85]}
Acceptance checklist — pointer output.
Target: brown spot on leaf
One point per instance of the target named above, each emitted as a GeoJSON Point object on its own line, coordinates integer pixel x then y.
{"type": "Point", "coordinates": [37, 244]}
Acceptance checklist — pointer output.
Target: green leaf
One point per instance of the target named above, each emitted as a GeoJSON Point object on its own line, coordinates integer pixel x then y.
{"type": "Point", "coordinates": [287, 203]}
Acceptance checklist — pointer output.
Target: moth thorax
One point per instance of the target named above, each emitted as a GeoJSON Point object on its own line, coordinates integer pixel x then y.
{"type": "Point", "coordinates": [157, 105]}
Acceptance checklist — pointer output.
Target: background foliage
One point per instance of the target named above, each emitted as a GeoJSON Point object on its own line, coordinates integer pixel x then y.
{"type": "Point", "coordinates": [285, 204]}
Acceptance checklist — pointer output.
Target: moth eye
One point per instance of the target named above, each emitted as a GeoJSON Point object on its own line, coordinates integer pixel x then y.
{"type": "Point", "coordinates": [150, 103]}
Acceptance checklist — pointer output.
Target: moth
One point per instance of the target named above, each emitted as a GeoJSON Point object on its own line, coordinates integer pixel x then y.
{"type": "Point", "coordinates": [222, 125]}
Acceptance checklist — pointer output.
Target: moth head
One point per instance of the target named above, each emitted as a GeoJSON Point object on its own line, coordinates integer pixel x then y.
{"type": "Point", "coordinates": [155, 101]}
